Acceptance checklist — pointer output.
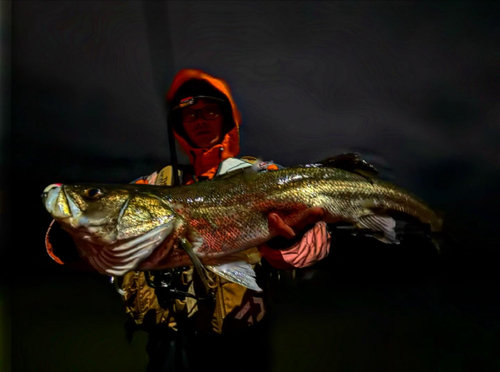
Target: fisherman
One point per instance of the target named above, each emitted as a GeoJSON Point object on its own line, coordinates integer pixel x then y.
{"type": "Point", "coordinates": [189, 326]}
{"type": "Point", "coordinates": [194, 321]}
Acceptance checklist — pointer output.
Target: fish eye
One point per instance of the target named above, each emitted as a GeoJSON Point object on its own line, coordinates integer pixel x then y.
{"type": "Point", "coordinates": [93, 193]}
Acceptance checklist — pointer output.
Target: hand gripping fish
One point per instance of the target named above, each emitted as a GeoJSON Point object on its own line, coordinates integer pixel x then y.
{"type": "Point", "coordinates": [119, 228]}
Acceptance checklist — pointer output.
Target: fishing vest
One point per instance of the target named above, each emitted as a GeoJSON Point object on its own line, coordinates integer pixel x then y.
{"type": "Point", "coordinates": [228, 306]}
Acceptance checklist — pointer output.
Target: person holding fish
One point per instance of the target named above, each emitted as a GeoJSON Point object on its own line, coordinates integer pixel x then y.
{"type": "Point", "coordinates": [190, 261]}
{"type": "Point", "coordinates": [186, 310]}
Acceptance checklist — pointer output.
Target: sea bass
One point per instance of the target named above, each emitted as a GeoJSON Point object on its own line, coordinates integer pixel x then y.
{"type": "Point", "coordinates": [119, 228]}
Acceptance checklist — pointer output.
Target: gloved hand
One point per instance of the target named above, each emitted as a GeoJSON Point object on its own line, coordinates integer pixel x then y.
{"type": "Point", "coordinates": [313, 246]}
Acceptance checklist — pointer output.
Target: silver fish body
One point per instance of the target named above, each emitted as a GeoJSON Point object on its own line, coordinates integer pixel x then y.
{"type": "Point", "coordinates": [126, 227]}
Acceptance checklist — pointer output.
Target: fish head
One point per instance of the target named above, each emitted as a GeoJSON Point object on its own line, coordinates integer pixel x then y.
{"type": "Point", "coordinates": [115, 227]}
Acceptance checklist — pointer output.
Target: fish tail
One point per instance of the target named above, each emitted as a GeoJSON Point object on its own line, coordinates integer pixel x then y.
{"type": "Point", "coordinates": [444, 242]}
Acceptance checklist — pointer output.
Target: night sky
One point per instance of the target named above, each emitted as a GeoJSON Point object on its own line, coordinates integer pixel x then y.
{"type": "Point", "coordinates": [412, 86]}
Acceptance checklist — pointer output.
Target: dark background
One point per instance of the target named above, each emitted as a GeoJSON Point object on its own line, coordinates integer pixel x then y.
{"type": "Point", "coordinates": [413, 86]}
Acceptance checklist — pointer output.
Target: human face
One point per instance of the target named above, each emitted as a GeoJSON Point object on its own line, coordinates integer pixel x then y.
{"type": "Point", "coordinates": [202, 132]}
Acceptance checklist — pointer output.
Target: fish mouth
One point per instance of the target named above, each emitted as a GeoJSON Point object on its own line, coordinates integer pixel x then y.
{"type": "Point", "coordinates": [57, 202]}
{"type": "Point", "coordinates": [123, 256]}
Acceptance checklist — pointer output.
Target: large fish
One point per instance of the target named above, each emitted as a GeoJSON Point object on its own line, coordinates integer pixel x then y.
{"type": "Point", "coordinates": [119, 228]}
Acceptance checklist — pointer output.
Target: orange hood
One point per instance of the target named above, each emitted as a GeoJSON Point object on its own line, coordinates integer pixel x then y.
{"type": "Point", "coordinates": [206, 161]}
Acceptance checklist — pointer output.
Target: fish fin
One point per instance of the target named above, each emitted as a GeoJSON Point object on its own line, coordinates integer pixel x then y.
{"type": "Point", "coordinates": [351, 162]}
{"type": "Point", "coordinates": [240, 272]}
{"type": "Point", "coordinates": [198, 265]}
{"type": "Point", "coordinates": [382, 224]}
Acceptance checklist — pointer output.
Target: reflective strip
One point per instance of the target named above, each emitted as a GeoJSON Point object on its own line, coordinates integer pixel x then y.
{"type": "Point", "coordinates": [253, 310]}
